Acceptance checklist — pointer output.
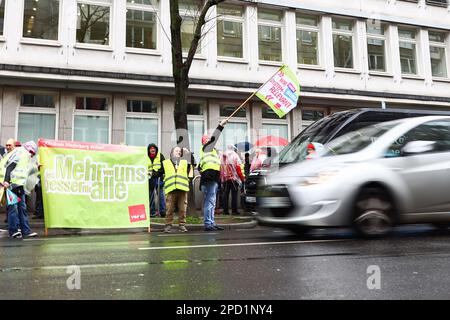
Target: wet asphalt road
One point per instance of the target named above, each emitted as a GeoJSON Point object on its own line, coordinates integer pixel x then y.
{"type": "Point", "coordinates": [259, 263]}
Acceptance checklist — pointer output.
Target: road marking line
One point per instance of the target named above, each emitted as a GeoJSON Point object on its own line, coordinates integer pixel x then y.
{"type": "Point", "coordinates": [240, 244]}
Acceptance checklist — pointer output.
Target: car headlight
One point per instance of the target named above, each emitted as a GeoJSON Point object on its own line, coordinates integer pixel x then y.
{"type": "Point", "coordinates": [323, 176]}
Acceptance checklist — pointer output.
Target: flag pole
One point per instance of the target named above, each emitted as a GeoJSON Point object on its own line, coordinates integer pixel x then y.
{"type": "Point", "coordinates": [238, 108]}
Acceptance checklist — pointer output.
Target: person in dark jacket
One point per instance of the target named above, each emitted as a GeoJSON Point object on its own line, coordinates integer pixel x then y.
{"type": "Point", "coordinates": [156, 183]}
{"type": "Point", "coordinates": [209, 167]}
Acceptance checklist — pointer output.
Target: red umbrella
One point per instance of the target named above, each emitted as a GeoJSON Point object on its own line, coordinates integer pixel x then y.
{"type": "Point", "coordinates": [271, 141]}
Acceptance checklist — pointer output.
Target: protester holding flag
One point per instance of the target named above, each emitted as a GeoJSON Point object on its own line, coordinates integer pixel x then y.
{"type": "Point", "coordinates": [14, 172]}
{"type": "Point", "coordinates": [176, 188]}
{"type": "Point", "coordinates": [209, 167]}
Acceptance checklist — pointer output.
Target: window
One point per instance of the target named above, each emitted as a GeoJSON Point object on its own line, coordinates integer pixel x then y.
{"type": "Point", "coordinates": [438, 3]}
{"type": "Point", "coordinates": [189, 11]}
{"type": "Point", "coordinates": [437, 131]}
{"type": "Point", "coordinates": [2, 16]}
{"type": "Point", "coordinates": [141, 24]}
{"type": "Point", "coordinates": [307, 39]}
{"type": "Point", "coordinates": [230, 21]}
{"type": "Point", "coordinates": [438, 53]}
{"type": "Point", "coordinates": [141, 126]}
{"type": "Point", "coordinates": [343, 43]}
{"type": "Point", "coordinates": [41, 19]}
{"type": "Point", "coordinates": [93, 22]}
{"type": "Point", "coordinates": [310, 116]}
{"type": "Point", "coordinates": [407, 44]}
{"type": "Point", "coordinates": [37, 117]}
{"type": "Point", "coordinates": [272, 125]}
{"type": "Point", "coordinates": [227, 109]}
{"type": "Point", "coordinates": [376, 45]}
{"type": "Point", "coordinates": [196, 127]}
{"type": "Point", "coordinates": [91, 119]}
{"type": "Point", "coordinates": [269, 34]}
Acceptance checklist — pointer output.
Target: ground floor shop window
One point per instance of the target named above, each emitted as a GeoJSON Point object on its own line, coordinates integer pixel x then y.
{"type": "Point", "coordinates": [141, 131]}
{"type": "Point", "coordinates": [90, 128]}
{"type": "Point", "coordinates": [196, 130]}
{"type": "Point", "coordinates": [32, 126]}
{"type": "Point", "coordinates": [233, 133]}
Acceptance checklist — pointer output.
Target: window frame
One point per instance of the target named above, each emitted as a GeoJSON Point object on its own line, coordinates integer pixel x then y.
{"type": "Point", "coordinates": [100, 113]}
{"type": "Point", "coordinates": [308, 28]}
{"type": "Point", "coordinates": [48, 42]}
{"type": "Point", "coordinates": [2, 35]}
{"type": "Point", "coordinates": [383, 37]}
{"type": "Point", "coordinates": [144, 115]}
{"type": "Point", "coordinates": [346, 33]}
{"type": "Point", "coordinates": [280, 121]}
{"type": "Point", "coordinates": [234, 19]}
{"type": "Point", "coordinates": [416, 52]}
{"type": "Point", "coordinates": [37, 110]}
{"type": "Point", "coordinates": [146, 8]}
{"type": "Point", "coordinates": [200, 53]}
{"type": "Point", "coordinates": [443, 45]}
{"type": "Point", "coordinates": [245, 120]}
{"type": "Point", "coordinates": [275, 24]}
{"type": "Point", "coordinates": [94, 46]}
{"type": "Point", "coordinates": [202, 117]}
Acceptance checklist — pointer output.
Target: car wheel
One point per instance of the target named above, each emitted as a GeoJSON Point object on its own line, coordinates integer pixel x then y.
{"type": "Point", "coordinates": [373, 213]}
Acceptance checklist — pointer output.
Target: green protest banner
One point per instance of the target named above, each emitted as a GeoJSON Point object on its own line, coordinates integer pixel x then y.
{"type": "Point", "coordinates": [90, 185]}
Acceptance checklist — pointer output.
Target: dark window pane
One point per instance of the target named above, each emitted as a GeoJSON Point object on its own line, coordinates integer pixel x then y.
{"type": "Point", "coordinates": [37, 100]}
{"type": "Point", "coordinates": [195, 109]}
{"type": "Point", "coordinates": [40, 19]}
{"type": "Point", "coordinates": [147, 106]}
{"type": "Point", "coordinates": [90, 103]}
{"type": "Point", "coordinates": [227, 110]}
{"type": "Point", "coordinates": [312, 115]}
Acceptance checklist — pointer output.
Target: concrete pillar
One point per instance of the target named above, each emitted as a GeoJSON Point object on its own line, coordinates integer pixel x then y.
{"type": "Point", "coordinates": [10, 104]}
{"type": "Point", "coordinates": [119, 105]}
{"type": "Point", "coordinates": [168, 127]}
{"type": "Point", "coordinates": [66, 109]}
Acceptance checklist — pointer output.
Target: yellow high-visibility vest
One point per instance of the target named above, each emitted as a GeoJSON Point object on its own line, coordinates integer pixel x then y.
{"type": "Point", "coordinates": [175, 179]}
{"type": "Point", "coordinates": [20, 173]}
{"type": "Point", "coordinates": [156, 165]}
{"type": "Point", "coordinates": [209, 160]}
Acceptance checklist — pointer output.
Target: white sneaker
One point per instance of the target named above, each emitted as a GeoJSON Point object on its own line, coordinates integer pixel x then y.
{"type": "Point", "coordinates": [31, 235]}
{"type": "Point", "coordinates": [183, 229]}
{"type": "Point", "coordinates": [167, 229]}
{"type": "Point", "coordinates": [17, 235]}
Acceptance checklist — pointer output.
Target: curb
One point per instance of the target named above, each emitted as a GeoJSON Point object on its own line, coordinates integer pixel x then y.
{"type": "Point", "coordinates": [154, 227]}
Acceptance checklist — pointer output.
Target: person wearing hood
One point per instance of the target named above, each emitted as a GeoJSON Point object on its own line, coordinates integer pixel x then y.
{"type": "Point", "coordinates": [156, 183]}
{"type": "Point", "coordinates": [14, 172]}
{"type": "Point", "coordinates": [176, 187]}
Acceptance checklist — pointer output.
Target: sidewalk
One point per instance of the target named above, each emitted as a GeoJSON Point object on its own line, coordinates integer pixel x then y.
{"type": "Point", "coordinates": [37, 225]}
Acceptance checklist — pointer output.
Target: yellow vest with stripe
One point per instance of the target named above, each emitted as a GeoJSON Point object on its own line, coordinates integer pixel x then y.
{"type": "Point", "coordinates": [209, 160]}
{"type": "Point", "coordinates": [243, 169]}
{"type": "Point", "coordinates": [156, 165]}
{"type": "Point", "coordinates": [20, 173]}
{"type": "Point", "coordinates": [175, 179]}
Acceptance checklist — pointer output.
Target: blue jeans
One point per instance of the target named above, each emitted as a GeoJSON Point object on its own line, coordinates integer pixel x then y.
{"type": "Point", "coordinates": [209, 190]}
{"type": "Point", "coordinates": [18, 218]}
{"type": "Point", "coordinates": [162, 200]}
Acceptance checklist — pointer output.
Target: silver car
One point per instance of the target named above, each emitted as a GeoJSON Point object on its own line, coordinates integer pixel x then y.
{"type": "Point", "coordinates": [371, 179]}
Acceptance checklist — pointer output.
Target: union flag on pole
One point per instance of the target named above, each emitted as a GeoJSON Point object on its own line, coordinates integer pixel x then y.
{"type": "Point", "coordinates": [281, 92]}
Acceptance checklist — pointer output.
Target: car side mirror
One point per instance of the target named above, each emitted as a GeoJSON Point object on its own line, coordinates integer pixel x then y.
{"type": "Point", "coordinates": [418, 147]}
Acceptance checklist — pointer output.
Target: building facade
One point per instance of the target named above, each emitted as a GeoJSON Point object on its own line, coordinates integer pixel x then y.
{"type": "Point", "coordinates": [100, 70]}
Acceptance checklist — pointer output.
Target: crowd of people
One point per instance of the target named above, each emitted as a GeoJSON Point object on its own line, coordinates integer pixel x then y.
{"type": "Point", "coordinates": [18, 177]}
{"type": "Point", "coordinates": [222, 173]}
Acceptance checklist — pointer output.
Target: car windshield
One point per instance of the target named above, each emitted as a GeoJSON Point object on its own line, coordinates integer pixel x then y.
{"type": "Point", "coordinates": [357, 140]}
{"type": "Point", "coordinates": [317, 132]}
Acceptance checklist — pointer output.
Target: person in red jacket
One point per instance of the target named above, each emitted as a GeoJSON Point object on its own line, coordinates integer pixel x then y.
{"type": "Point", "coordinates": [231, 177]}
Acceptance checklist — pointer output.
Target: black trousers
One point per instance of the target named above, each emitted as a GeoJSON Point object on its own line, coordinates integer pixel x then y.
{"type": "Point", "coordinates": [230, 186]}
